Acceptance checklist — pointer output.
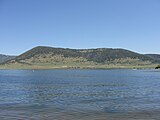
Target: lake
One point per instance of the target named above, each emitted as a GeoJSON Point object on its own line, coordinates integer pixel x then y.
{"type": "Point", "coordinates": [114, 94]}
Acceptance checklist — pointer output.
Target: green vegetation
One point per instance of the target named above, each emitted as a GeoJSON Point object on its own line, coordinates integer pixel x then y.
{"type": "Point", "coordinates": [157, 67]}
{"type": "Point", "coordinates": [51, 58]}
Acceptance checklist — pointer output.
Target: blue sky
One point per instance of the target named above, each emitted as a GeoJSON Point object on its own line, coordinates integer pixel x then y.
{"type": "Point", "coordinates": [129, 24]}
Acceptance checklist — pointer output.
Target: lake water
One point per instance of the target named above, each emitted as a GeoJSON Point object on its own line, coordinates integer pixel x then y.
{"type": "Point", "coordinates": [115, 94]}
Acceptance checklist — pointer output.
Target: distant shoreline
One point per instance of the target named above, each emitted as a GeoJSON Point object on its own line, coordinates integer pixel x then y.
{"type": "Point", "coordinates": [2, 67]}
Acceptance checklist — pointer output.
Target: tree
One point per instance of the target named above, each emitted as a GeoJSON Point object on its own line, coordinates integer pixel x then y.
{"type": "Point", "coordinates": [157, 67]}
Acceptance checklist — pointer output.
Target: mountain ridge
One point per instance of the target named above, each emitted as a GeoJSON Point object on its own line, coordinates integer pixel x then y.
{"type": "Point", "coordinates": [4, 58]}
{"type": "Point", "coordinates": [52, 56]}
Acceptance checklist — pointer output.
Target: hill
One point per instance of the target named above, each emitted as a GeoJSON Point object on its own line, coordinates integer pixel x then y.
{"type": "Point", "coordinates": [156, 57]}
{"type": "Point", "coordinates": [49, 57]}
{"type": "Point", "coordinates": [4, 58]}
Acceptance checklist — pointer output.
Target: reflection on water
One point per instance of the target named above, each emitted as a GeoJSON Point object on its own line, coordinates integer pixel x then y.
{"type": "Point", "coordinates": [77, 94]}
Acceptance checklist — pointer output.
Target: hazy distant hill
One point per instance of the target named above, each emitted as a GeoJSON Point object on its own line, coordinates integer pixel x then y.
{"type": "Point", "coordinates": [4, 58]}
{"type": "Point", "coordinates": [156, 57]}
{"type": "Point", "coordinates": [41, 56]}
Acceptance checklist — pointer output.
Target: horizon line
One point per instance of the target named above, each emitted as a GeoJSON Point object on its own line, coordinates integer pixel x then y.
{"type": "Point", "coordinates": [76, 49]}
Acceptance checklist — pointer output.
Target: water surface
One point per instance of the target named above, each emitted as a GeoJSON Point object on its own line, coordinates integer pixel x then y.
{"type": "Point", "coordinates": [80, 94]}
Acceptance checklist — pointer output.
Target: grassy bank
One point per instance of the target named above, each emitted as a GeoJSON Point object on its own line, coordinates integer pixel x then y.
{"type": "Point", "coordinates": [75, 66]}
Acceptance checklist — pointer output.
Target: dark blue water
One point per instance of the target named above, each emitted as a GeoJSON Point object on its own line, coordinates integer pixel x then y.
{"type": "Point", "coordinates": [108, 91]}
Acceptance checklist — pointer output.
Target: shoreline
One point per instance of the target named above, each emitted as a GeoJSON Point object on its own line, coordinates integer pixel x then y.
{"type": "Point", "coordinates": [75, 68]}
